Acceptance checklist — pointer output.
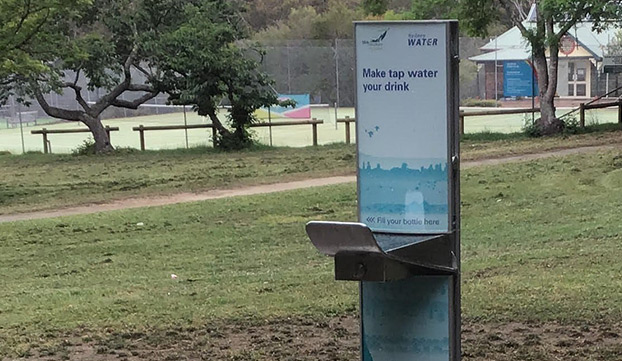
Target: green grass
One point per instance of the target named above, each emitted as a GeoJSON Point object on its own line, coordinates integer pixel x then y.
{"type": "Point", "coordinates": [541, 236]}
{"type": "Point", "coordinates": [37, 182]}
{"type": "Point", "coordinates": [34, 181]}
{"type": "Point", "coordinates": [494, 145]}
{"type": "Point", "coordinates": [540, 244]}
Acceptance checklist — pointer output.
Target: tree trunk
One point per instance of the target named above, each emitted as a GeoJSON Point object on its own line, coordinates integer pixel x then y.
{"type": "Point", "coordinates": [102, 140]}
{"type": "Point", "coordinates": [217, 124]}
{"type": "Point", "coordinates": [548, 124]}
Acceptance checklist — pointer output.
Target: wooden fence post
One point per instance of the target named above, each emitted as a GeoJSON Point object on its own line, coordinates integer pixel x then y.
{"type": "Point", "coordinates": [108, 132]}
{"type": "Point", "coordinates": [141, 133]}
{"type": "Point", "coordinates": [44, 132]}
{"type": "Point", "coordinates": [214, 136]}
{"type": "Point", "coordinates": [314, 131]}
{"type": "Point", "coordinates": [582, 115]}
{"type": "Point", "coordinates": [620, 112]}
{"type": "Point", "coordinates": [461, 125]}
{"type": "Point", "coordinates": [347, 130]}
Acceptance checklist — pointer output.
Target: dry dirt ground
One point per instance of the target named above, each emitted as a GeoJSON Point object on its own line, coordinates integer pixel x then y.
{"type": "Point", "coordinates": [266, 188]}
{"type": "Point", "coordinates": [332, 340]}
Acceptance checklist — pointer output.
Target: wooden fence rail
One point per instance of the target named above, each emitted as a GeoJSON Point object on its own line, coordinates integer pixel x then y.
{"type": "Point", "coordinates": [141, 129]}
{"type": "Point", "coordinates": [313, 122]}
{"type": "Point", "coordinates": [46, 143]}
{"type": "Point", "coordinates": [464, 114]}
{"type": "Point", "coordinates": [583, 107]}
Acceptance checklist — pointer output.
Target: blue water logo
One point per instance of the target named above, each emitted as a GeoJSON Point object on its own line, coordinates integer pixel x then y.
{"type": "Point", "coordinates": [421, 40]}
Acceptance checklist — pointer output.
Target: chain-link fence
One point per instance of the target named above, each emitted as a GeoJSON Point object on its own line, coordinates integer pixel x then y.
{"type": "Point", "coordinates": [325, 69]}
{"type": "Point", "coordinates": [322, 68]}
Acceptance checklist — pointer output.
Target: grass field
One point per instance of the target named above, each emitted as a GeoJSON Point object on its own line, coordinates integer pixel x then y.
{"type": "Point", "coordinates": [294, 136]}
{"type": "Point", "coordinates": [540, 257]}
{"type": "Point", "coordinates": [37, 182]}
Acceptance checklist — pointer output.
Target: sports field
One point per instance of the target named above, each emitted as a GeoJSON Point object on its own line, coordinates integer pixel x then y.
{"type": "Point", "coordinates": [293, 136]}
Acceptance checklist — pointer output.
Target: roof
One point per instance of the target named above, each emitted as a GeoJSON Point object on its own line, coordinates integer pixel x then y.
{"type": "Point", "coordinates": [503, 54]}
{"type": "Point", "coordinates": [510, 39]}
{"type": "Point", "coordinates": [512, 46]}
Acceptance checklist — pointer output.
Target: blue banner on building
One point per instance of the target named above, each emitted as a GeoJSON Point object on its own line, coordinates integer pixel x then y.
{"type": "Point", "coordinates": [519, 79]}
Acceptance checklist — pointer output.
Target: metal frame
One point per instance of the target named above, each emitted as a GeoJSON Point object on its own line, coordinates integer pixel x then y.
{"type": "Point", "coordinates": [453, 162]}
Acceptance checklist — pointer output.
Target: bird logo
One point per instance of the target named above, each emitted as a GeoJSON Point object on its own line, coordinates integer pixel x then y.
{"type": "Point", "coordinates": [380, 38]}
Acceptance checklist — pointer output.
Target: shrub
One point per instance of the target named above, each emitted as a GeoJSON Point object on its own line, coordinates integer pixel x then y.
{"type": "Point", "coordinates": [530, 127]}
{"type": "Point", "coordinates": [86, 148]}
{"type": "Point", "coordinates": [571, 125]}
{"type": "Point", "coordinates": [474, 102]}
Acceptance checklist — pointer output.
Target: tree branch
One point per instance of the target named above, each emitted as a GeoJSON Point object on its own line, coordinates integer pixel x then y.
{"type": "Point", "coordinates": [72, 115]}
{"type": "Point", "coordinates": [143, 70]}
{"type": "Point", "coordinates": [105, 101]}
{"type": "Point", "coordinates": [135, 103]}
{"type": "Point", "coordinates": [575, 18]}
{"type": "Point", "coordinates": [36, 30]}
{"type": "Point", "coordinates": [23, 18]}
{"type": "Point", "coordinates": [78, 91]}
{"type": "Point", "coordinates": [141, 88]}
{"type": "Point", "coordinates": [507, 6]}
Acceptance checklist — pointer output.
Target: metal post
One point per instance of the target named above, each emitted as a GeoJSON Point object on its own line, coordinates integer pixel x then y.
{"type": "Point", "coordinates": [21, 126]}
{"type": "Point", "coordinates": [336, 80]}
{"type": "Point", "coordinates": [141, 132]}
{"type": "Point", "coordinates": [186, 126]}
{"type": "Point", "coordinates": [620, 112]}
{"type": "Point", "coordinates": [289, 74]}
{"type": "Point", "coordinates": [496, 79]}
{"type": "Point", "coordinates": [270, 126]}
{"type": "Point", "coordinates": [533, 90]}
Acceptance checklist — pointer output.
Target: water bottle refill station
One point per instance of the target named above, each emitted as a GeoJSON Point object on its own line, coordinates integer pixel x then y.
{"type": "Point", "coordinates": [405, 252]}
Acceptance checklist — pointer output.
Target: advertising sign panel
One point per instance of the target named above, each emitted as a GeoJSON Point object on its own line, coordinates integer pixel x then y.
{"type": "Point", "coordinates": [302, 110]}
{"type": "Point", "coordinates": [402, 126]}
{"type": "Point", "coordinates": [519, 79]}
{"type": "Point", "coordinates": [406, 320]}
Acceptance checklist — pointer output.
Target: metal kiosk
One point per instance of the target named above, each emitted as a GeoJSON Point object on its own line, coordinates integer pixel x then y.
{"type": "Point", "coordinates": [406, 250]}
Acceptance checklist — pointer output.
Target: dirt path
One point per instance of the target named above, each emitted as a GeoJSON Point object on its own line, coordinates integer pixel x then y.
{"type": "Point", "coordinates": [260, 189]}
{"type": "Point", "coordinates": [329, 340]}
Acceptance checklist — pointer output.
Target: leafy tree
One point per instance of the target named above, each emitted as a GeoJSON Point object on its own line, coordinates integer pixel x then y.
{"type": "Point", "coordinates": [130, 49]}
{"type": "Point", "coordinates": [308, 23]}
{"type": "Point", "coordinates": [299, 24]}
{"type": "Point", "coordinates": [29, 27]}
{"type": "Point", "coordinates": [554, 19]}
{"type": "Point", "coordinates": [197, 69]}
{"type": "Point", "coordinates": [262, 14]}
{"type": "Point", "coordinates": [336, 21]}
{"type": "Point", "coordinates": [433, 9]}
{"type": "Point", "coordinates": [375, 7]}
